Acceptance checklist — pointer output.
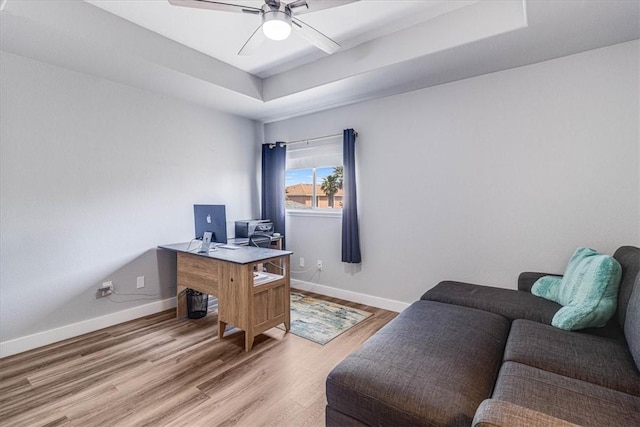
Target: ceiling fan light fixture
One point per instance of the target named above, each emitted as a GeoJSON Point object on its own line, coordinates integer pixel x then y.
{"type": "Point", "coordinates": [276, 24]}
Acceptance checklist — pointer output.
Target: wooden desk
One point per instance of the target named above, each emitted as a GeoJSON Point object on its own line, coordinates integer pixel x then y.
{"type": "Point", "coordinates": [228, 275]}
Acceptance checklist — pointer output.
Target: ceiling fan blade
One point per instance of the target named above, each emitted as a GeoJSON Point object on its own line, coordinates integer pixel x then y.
{"type": "Point", "coordinates": [216, 5]}
{"type": "Point", "coordinates": [299, 8]}
{"type": "Point", "coordinates": [253, 43]}
{"type": "Point", "coordinates": [315, 37]}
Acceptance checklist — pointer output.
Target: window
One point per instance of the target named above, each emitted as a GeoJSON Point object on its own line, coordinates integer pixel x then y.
{"type": "Point", "coordinates": [313, 178]}
{"type": "Point", "coordinates": [315, 188]}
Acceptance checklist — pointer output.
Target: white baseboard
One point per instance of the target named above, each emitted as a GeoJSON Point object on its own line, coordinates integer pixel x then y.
{"type": "Point", "coordinates": [29, 342]}
{"type": "Point", "coordinates": [18, 345]}
{"type": "Point", "coordinates": [387, 304]}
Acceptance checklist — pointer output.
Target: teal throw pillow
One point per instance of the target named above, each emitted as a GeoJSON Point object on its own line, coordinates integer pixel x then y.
{"type": "Point", "coordinates": [588, 291]}
{"type": "Point", "coordinates": [547, 287]}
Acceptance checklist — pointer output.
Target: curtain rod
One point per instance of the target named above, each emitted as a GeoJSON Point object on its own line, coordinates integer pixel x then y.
{"type": "Point", "coordinates": [308, 140]}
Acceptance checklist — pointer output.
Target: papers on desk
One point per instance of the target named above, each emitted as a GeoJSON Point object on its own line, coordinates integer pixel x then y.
{"type": "Point", "coordinates": [262, 278]}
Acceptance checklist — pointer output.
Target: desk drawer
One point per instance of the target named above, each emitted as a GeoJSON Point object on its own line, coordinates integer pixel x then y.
{"type": "Point", "coordinates": [199, 273]}
{"type": "Point", "coordinates": [269, 304]}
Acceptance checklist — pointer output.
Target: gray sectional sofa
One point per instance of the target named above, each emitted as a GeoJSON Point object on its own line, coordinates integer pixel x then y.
{"type": "Point", "coordinates": [467, 354]}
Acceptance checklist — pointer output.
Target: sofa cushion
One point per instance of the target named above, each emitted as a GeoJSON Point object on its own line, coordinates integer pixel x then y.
{"type": "Point", "coordinates": [588, 290]}
{"type": "Point", "coordinates": [336, 418]}
{"type": "Point", "coordinates": [566, 398]}
{"type": "Point", "coordinates": [433, 364]}
{"type": "Point", "coordinates": [611, 330]}
{"type": "Point", "coordinates": [632, 323]}
{"type": "Point", "coordinates": [494, 412]}
{"type": "Point", "coordinates": [602, 361]}
{"type": "Point", "coordinates": [509, 303]}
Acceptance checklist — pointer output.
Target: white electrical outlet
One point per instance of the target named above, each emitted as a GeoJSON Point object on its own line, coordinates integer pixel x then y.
{"type": "Point", "coordinates": [301, 262]}
{"type": "Point", "coordinates": [140, 282]}
{"type": "Point", "coordinates": [105, 289]}
{"type": "Point", "coordinates": [320, 265]}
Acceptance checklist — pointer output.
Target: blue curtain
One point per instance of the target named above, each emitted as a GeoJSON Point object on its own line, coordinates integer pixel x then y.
{"type": "Point", "coordinates": [350, 231]}
{"type": "Point", "coordinates": [273, 171]}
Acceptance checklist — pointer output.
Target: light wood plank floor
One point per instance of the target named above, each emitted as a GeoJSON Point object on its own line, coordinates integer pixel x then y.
{"type": "Point", "coordinates": [160, 371]}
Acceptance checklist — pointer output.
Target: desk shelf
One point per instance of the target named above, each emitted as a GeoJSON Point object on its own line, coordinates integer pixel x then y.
{"type": "Point", "coordinates": [265, 278]}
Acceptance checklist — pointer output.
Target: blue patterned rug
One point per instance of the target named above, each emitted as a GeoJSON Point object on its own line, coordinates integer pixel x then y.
{"type": "Point", "coordinates": [321, 321]}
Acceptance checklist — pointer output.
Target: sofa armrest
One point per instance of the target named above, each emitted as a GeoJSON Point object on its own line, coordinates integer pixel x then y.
{"type": "Point", "coordinates": [528, 278]}
{"type": "Point", "coordinates": [498, 413]}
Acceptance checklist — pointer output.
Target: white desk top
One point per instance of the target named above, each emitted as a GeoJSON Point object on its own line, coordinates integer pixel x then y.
{"type": "Point", "coordinates": [241, 255]}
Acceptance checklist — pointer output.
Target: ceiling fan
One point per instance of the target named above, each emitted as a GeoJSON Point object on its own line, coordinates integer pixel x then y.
{"type": "Point", "coordinates": [277, 20]}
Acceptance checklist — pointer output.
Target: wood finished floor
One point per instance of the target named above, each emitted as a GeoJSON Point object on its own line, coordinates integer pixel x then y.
{"type": "Point", "coordinates": [161, 371]}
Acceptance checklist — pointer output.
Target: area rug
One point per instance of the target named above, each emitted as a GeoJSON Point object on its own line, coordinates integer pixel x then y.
{"type": "Point", "coordinates": [321, 321]}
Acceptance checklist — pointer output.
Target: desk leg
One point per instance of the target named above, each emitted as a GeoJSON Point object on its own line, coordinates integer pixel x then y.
{"type": "Point", "coordinates": [287, 311]}
{"type": "Point", "coordinates": [248, 341]}
{"type": "Point", "coordinates": [221, 327]}
{"type": "Point", "coordinates": [181, 303]}
{"type": "Point", "coordinates": [285, 262]}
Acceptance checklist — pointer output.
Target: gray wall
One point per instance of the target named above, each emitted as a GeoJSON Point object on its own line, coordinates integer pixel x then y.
{"type": "Point", "coordinates": [95, 175]}
{"type": "Point", "coordinates": [475, 180]}
{"type": "Point", "coordinates": [483, 178]}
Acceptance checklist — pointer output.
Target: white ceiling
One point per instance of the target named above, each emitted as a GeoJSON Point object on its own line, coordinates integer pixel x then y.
{"type": "Point", "coordinates": [222, 34]}
{"type": "Point", "coordinates": [192, 53]}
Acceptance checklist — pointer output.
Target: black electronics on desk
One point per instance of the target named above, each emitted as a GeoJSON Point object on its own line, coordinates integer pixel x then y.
{"type": "Point", "coordinates": [246, 228]}
{"type": "Point", "coordinates": [211, 218]}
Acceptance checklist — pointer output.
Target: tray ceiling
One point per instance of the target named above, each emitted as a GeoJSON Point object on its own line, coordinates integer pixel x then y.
{"type": "Point", "coordinates": [388, 47]}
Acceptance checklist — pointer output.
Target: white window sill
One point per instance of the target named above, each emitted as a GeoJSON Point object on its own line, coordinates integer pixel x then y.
{"type": "Point", "coordinates": [322, 213]}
